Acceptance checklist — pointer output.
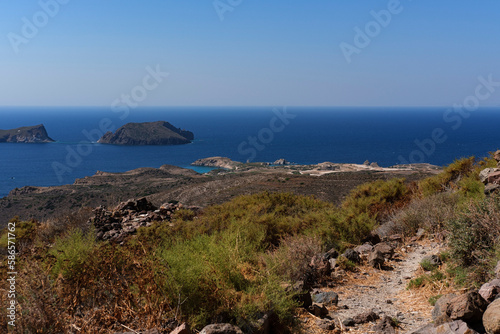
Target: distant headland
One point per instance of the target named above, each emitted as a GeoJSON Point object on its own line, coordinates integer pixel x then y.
{"type": "Point", "coordinates": [152, 133]}
{"type": "Point", "coordinates": [26, 134]}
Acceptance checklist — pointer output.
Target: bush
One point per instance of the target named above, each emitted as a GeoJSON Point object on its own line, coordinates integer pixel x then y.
{"type": "Point", "coordinates": [368, 205]}
{"type": "Point", "coordinates": [430, 213]}
{"type": "Point", "coordinates": [474, 236]}
{"type": "Point", "coordinates": [23, 230]}
{"type": "Point", "coordinates": [71, 251]}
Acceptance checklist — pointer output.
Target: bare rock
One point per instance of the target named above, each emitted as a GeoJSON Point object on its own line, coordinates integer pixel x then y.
{"type": "Point", "coordinates": [483, 175]}
{"type": "Point", "coordinates": [491, 318]}
{"type": "Point", "coordinates": [182, 329]}
{"type": "Point", "coordinates": [491, 188]}
{"type": "Point", "coordinates": [384, 248]}
{"type": "Point", "coordinates": [325, 324]}
{"type": "Point", "coordinates": [385, 326]}
{"type": "Point", "coordinates": [441, 306]}
{"type": "Point", "coordinates": [352, 255]}
{"type": "Point", "coordinates": [326, 298]}
{"type": "Point", "coordinates": [364, 249]}
{"type": "Point", "coordinates": [468, 307]}
{"type": "Point", "coordinates": [318, 310]}
{"type": "Point", "coordinates": [331, 254]}
{"type": "Point", "coordinates": [366, 317]}
{"type": "Point", "coordinates": [455, 327]}
{"type": "Point", "coordinates": [376, 259]}
{"type": "Point", "coordinates": [490, 290]}
{"type": "Point", "coordinates": [221, 329]}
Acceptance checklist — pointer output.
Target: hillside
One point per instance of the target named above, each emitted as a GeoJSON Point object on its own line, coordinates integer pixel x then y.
{"type": "Point", "coordinates": [27, 134]}
{"type": "Point", "coordinates": [395, 253]}
{"type": "Point", "coordinates": [152, 133]}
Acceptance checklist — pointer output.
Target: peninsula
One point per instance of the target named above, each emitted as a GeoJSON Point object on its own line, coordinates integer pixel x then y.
{"type": "Point", "coordinates": [27, 134]}
{"type": "Point", "coordinates": [152, 133]}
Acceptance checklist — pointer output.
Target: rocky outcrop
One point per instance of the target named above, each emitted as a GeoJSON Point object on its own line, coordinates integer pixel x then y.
{"type": "Point", "coordinates": [218, 162]}
{"type": "Point", "coordinates": [153, 133]}
{"type": "Point", "coordinates": [27, 134]}
{"type": "Point", "coordinates": [128, 216]}
{"type": "Point", "coordinates": [491, 176]}
{"type": "Point", "coordinates": [281, 162]}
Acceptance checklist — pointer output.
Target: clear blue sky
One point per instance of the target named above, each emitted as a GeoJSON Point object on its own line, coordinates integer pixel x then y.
{"type": "Point", "coordinates": [263, 53]}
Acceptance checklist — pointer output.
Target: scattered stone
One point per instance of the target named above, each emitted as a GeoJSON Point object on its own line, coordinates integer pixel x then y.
{"type": "Point", "coordinates": [491, 318]}
{"type": "Point", "coordinates": [366, 317]}
{"type": "Point", "coordinates": [376, 259]}
{"type": "Point", "coordinates": [318, 310]}
{"type": "Point", "coordinates": [349, 322]}
{"type": "Point", "coordinates": [385, 326]}
{"type": "Point", "coordinates": [325, 324]}
{"type": "Point", "coordinates": [490, 290]}
{"type": "Point", "coordinates": [352, 255]}
{"type": "Point", "coordinates": [130, 215]}
{"type": "Point", "coordinates": [182, 329]}
{"type": "Point", "coordinates": [384, 248]}
{"type": "Point", "coordinates": [468, 307]}
{"type": "Point", "coordinates": [326, 298]}
{"type": "Point", "coordinates": [221, 329]}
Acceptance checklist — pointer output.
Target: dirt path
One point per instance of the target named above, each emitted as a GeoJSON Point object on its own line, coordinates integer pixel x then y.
{"type": "Point", "coordinates": [384, 292]}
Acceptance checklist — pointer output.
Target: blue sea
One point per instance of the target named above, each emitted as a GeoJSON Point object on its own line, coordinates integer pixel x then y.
{"type": "Point", "coordinates": [302, 135]}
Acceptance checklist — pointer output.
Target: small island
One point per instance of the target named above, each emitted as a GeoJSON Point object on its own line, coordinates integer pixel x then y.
{"type": "Point", "coordinates": [151, 133]}
{"type": "Point", "coordinates": [26, 134]}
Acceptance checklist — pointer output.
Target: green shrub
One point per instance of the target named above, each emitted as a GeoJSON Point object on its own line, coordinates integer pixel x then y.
{"type": "Point", "coordinates": [367, 205]}
{"type": "Point", "coordinates": [427, 266]}
{"type": "Point", "coordinates": [71, 251]}
{"type": "Point", "coordinates": [23, 230]}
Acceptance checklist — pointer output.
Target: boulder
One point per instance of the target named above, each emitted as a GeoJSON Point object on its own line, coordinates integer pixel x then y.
{"type": "Point", "coordinates": [490, 290]}
{"type": "Point", "coordinates": [221, 329]}
{"type": "Point", "coordinates": [455, 327]}
{"type": "Point", "coordinates": [352, 255]}
{"type": "Point", "coordinates": [468, 307]}
{"type": "Point", "coordinates": [441, 306]}
{"type": "Point", "coordinates": [364, 249]}
{"type": "Point", "coordinates": [365, 317]}
{"type": "Point", "coordinates": [384, 248]}
{"type": "Point", "coordinates": [326, 298]}
{"type": "Point", "coordinates": [182, 329]}
{"type": "Point", "coordinates": [376, 259]}
{"type": "Point", "coordinates": [349, 322]}
{"type": "Point", "coordinates": [491, 318]}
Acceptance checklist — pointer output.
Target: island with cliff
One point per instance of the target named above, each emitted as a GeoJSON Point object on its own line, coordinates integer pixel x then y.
{"type": "Point", "coordinates": [26, 134]}
{"type": "Point", "coordinates": [149, 133]}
